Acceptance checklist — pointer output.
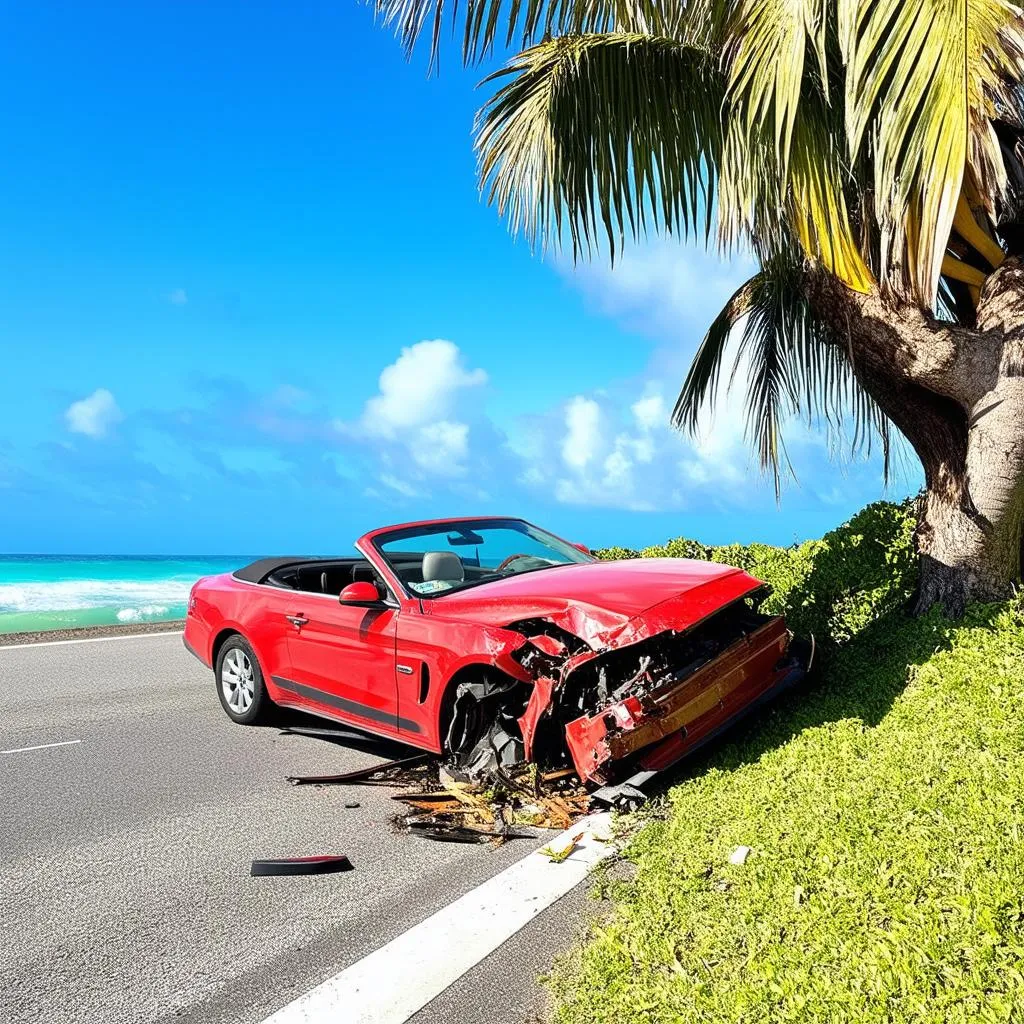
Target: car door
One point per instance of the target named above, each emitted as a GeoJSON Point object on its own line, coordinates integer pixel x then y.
{"type": "Point", "coordinates": [342, 660]}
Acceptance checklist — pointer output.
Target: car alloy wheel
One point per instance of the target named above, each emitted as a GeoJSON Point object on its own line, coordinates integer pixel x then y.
{"type": "Point", "coordinates": [238, 681]}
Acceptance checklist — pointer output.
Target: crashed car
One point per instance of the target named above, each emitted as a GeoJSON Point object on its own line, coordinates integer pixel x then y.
{"type": "Point", "coordinates": [491, 641]}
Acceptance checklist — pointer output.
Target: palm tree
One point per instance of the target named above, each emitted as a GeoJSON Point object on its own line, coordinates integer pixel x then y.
{"type": "Point", "coordinates": [868, 152]}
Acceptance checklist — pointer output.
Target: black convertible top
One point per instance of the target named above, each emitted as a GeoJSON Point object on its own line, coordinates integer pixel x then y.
{"type": "Point", "coordinates": [258, 571]}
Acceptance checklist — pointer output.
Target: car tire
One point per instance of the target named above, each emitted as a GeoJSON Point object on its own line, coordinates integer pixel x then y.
{"type": "Point", "coordinates": [240, 685]}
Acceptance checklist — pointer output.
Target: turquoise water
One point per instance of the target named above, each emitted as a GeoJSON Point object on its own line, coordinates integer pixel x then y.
{"type": "Point", "coordinates": [64, 591]}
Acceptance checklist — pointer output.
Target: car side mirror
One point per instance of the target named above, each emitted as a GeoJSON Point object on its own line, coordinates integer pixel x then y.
{"type": "Point", "coordinates": [583, 548]}
{"type": "Point", "coordinates": [361, 595]}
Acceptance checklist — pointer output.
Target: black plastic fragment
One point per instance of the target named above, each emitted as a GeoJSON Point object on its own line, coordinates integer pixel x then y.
{"type": "Point", "coordinates": [442, 832]}
{"type": "Point", "coordinates": [626, 796]}
{"type": "Point", "coordinates": [361, 774]}
{"type": "Point", "coordinates": [300, 866]}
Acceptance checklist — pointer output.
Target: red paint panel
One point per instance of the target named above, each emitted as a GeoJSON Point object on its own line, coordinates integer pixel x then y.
{"type": "Point", "coordinates": [607, 604]}
{"type": "Point", "coordinates": [540, 701]}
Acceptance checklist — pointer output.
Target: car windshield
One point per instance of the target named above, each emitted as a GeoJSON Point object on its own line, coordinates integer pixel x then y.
{"type": "Point", "coordinates": [438, 558]}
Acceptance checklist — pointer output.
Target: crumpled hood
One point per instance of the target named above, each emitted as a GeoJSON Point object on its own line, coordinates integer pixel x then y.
{"type": "Point", "coordinates": [605, 603]}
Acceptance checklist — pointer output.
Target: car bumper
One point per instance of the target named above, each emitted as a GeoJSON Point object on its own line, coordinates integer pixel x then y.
{"type": "Point", "coordinates": [193, 639]}
{"type": "Point", "coordinates": [656, 730]}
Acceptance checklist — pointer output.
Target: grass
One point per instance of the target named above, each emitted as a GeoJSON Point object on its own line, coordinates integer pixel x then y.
{"type": "Point", "coordinates": [885, 810]}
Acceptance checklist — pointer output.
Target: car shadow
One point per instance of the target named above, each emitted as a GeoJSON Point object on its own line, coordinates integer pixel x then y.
{"type": "Point", "coordinates": [289, 721]}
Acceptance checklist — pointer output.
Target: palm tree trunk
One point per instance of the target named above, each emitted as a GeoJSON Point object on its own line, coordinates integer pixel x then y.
{"type": "Point", "coordinates": [972, 512]}
{"type": "Point", "coordinates": [957, 395]}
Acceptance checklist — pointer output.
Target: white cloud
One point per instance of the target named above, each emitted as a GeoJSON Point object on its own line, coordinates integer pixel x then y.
{"type": "Point", "coordinates": [583, 431]}
{"type": "Point", "coordinates": [650, 411]}
{"type": "Point", "coordinates": [620, 451]}
{"type": "Point", "coordinates": [410, 421]}
{"type": "Point", "coordinates": [403, 487]}
{"type": "Point", "coordinates": [441, 448]}
{"type": "Point", "coordinates": [418, 388]}
{"type": "Point", "coordinates": [179, 297]}
{"type": "Point", "coordinates": [665, 287]}
{"type": "Point", "coordinates": [93, 415]}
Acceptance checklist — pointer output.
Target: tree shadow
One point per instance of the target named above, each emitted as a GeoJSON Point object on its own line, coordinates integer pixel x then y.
{"type": "Point", "coordinates": [860, 680]}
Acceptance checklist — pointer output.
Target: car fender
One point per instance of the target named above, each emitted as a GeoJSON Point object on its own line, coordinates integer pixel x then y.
{"type": "Point", "coordinates": [449, 649]}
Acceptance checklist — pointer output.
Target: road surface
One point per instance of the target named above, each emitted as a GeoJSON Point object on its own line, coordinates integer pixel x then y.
{"type": "Point", "coordinates": [125, 893]}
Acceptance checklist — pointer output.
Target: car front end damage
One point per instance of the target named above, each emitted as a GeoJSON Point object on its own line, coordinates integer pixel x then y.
{"type": "Point", "coordinates": [645, 695]}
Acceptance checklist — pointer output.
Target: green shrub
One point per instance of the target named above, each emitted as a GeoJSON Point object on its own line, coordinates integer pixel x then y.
{"type": "Point", "coordinates": [614, 554]}
{"type": "Point", "coordinates": [833, 587]}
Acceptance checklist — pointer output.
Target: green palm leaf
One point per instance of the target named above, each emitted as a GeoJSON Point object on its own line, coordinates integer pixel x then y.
{"type": "Point", "coordinates": [483, 24]}
{"type": "Point", "coordinates": [607, 134]}
{"type": "Point", "coordinates": [793, 369]}
{"type": "Point", "coordinates": [923, 82]}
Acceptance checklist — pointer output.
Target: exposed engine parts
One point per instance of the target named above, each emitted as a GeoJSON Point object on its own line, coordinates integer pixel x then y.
{"type": "Point", "coordinates": [669, 690]}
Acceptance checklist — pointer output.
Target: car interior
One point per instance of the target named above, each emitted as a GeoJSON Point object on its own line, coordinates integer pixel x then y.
{"type": "Point", "coordinates": [323, 577]}
{"type": "Point", "coordinates": [435, 566]}
{"type": "Point", "coordinates": [331, 577]}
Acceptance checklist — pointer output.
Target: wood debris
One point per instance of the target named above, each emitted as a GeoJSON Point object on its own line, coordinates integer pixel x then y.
{"type": "Point", "coordinates": [491, 810]}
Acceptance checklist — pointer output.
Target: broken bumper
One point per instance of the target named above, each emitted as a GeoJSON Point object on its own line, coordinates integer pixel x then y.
{"type": "Point", "coordinates": [659, 728]}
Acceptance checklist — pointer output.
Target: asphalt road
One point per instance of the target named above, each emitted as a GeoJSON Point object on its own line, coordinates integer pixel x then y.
{"type": "Point", "coordinates": [125, 892]}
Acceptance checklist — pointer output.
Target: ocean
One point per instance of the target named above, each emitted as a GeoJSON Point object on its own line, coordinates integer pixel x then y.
{"type": "Point", "coordinates": [64, 591]}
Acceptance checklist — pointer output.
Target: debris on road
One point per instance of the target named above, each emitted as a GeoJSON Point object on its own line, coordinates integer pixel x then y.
{"type": "Point", "coordinates": [447, 804]}
{"type": "Point", "coordinates": [376, 775]}
{"type": "Point", "coordinates": [461, 809]}
{"type": "Point", "coordinates": [300, 866]}
{"type": "Point", "coordinates": [626, 796]}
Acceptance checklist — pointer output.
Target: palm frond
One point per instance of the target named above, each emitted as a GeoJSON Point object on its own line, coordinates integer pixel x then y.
{"type": "Point", "coordinates": [485, 24]}
{"type": "Point", "coordinates": [700, 389]}
{"type": "Point", "coordinates": [784, 171]}
{"type": "Point", "coordinates": [820, 212]}
{"type": "Point", "coordinates": [770, 39]}
{"type": "Point", "coordinates": [608, 135]}
{"type": "Point", "coordinates": [924, 81]}
{"type": "Point", "coordinates": [793, 368]}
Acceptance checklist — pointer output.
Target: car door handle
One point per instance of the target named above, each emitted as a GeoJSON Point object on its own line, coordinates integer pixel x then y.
{"type": "Point", "coordinates": [297, 620]}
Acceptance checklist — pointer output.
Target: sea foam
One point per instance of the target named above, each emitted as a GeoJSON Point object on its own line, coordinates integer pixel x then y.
{"type": "Point", "coordinates": [149, 611]}
{"type": "Point", "coordinates": [136, 599]}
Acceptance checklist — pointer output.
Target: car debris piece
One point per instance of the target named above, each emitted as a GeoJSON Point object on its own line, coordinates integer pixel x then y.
{"type": "Point", "coordinates": [352, 804]}
{"type": "Point", "coordinates": [447, 833]}
{"type": "Point", "coordinates": [381, 774]}
{"type": "Point", "coordinates": [300, 866]}
{"type": "Point", "coordinates": [627, 795]}
{"type": "Point", "coordinates": [739, 855]}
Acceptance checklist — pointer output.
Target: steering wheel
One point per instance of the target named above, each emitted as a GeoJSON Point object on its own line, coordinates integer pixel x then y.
{"type": "Point", "coordinates": [508, 561]}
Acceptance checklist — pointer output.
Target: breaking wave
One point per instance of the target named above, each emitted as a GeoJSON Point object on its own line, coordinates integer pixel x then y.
{"type": "Point", "coordinates": [149, 611]}
{"type": "Point", "coordinates": [134, 600]}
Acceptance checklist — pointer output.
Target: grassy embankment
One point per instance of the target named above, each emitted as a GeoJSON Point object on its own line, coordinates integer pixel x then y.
{"type": "Point", "coordinates": [884, 806]}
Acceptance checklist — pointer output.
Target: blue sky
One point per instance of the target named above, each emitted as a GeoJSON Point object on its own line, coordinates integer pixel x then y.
{"type": "Point", "coordinates": [250, 300]}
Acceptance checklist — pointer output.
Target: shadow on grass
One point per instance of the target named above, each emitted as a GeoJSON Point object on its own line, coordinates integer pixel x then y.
{"type": "Point", "coordinates": [860, 680]}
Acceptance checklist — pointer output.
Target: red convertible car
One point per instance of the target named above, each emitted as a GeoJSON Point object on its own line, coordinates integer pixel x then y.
{"type": "Point", "coordinates": [491, 641]}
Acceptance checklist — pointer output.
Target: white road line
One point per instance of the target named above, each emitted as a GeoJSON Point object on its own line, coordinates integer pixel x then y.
{"type": "Point", "coordinates": [389, 985]}
{"type": "Point", "coordinates": [42, 746]}
{"type": "Point", "coordinates": [92, 639]}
